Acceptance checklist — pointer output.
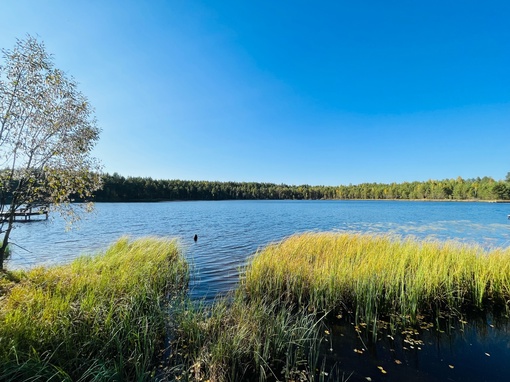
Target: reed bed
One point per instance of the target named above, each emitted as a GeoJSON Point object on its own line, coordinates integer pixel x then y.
{"type": "Point", "coordinates": [98, 318]}
{"type": "Point", "coordinates": [239, 340]}
{"type": "Point", "coordinates": [107, 317]}
{"type": "Point", "coordinates": [379, 275]}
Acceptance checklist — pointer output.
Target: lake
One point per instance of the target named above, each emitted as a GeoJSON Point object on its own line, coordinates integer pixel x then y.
{"type": "Point", "coordinates": [229, 232]}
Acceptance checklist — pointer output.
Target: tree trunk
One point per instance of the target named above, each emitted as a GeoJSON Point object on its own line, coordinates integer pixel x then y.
{"type": "Point", "coordinates": [2, 255]}
{"type": "Point", "coordinates": [5, 241]}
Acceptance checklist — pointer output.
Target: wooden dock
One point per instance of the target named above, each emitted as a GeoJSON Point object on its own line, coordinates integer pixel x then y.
{"type": "Point", "coordinates": [26, 215]}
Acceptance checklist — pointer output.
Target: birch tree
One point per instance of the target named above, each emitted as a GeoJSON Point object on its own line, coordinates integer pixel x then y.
{"type": "Point", "coordinates": [47, 132]}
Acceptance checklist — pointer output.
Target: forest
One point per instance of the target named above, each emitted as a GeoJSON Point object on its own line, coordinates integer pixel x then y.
{"type": "Point", "coordinates": [117, 188]}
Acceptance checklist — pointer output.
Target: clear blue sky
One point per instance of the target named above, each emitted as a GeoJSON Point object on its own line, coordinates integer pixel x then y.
{"type": "Point", "coordinates": [322, 92]}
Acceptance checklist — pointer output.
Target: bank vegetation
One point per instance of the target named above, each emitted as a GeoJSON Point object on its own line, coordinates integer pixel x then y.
{"type": "Point", "coordinates": [101, 318]}
{"type": "Point", "coordinates": [123, 315]}
{"type": "Point", "coordinates": [379, 277]}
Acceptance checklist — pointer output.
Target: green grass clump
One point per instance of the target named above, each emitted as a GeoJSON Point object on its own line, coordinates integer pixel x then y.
{"type": "Point", "coordinates": [98, 318]}
{"type": "Point", "coordinates": [240, 340]}
{"type": "Point", "coordinates": [376, 275]}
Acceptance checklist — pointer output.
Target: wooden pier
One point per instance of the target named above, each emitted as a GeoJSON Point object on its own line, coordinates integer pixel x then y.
{"type": "Point", "coordinates": [26, 214]}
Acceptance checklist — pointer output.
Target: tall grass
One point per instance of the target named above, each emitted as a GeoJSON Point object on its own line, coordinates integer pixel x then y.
{"type": "Point", "coordinates": [105, 317]}
{"type": "Point", "coordinates": [240, 340]}
{"type": "Point", "coordinates": [98, 318]}
{"type": "Point", "coordinates": [376, 275]}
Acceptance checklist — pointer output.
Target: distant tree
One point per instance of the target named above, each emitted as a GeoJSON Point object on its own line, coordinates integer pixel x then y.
{"type": "Point", "coordinates": [507, 178]}
{"type": "Point", "coordinates": [501, 191]}
{"type": "Point", "coordinates": [47, 132]}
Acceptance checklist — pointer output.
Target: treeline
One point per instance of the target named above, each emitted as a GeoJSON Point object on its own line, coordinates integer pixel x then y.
{"type": "Point", "coordinates": [118, 188]}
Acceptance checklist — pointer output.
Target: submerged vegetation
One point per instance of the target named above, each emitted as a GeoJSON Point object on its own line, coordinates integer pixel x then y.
{"type": "Point", "coordinates": [122, 315]}
{"type": "Point", "coordinates": [117, 188]}
{"type": "Point", "coordinates": [379, 276]}
{"type": "Point", "coordinates": [98, 318]}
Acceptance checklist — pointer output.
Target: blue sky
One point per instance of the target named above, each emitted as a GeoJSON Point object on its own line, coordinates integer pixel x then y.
{"type": "Point", "coordinates": [296, 92]}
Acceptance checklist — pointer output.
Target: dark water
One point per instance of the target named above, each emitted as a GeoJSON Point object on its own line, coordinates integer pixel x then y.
{"type": "Point", "coordinates": [475, 348]}
{"type": "Point", "coordinates": [229, 232]}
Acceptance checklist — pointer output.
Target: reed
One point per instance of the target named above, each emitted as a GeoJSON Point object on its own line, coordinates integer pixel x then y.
{"type": "Point", "coordinates": [97, 318]}
{"type": "Point", "coordinates": [379, 275]}
{"type": "Point", "coordinates": [239, 340]}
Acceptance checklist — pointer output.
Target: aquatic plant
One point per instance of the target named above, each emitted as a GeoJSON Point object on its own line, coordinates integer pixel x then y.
{"type": "Point", "coordinates": [379, 275]}
{"type": "Point", "coordinates": [98, 318]}
{"type": "Point", "coordinates": [239, 340]}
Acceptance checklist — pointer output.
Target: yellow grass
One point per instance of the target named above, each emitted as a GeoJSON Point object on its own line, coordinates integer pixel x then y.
{"type": "Point", "coordinates": [102, 315]}
{"type": "Point", "coordinates": [379, 275]}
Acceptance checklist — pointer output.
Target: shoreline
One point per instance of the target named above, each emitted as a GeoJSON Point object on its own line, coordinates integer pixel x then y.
{"type": "Point", "coordinates": [499, 201]}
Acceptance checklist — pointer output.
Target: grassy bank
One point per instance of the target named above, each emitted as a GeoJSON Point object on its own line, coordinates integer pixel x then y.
{"type": "Point", "coordinates": [104, 318]}
{"type": "Point", "coordinates": [376, 276]}
{"type": "Point", "coordinates": [98, 318]}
